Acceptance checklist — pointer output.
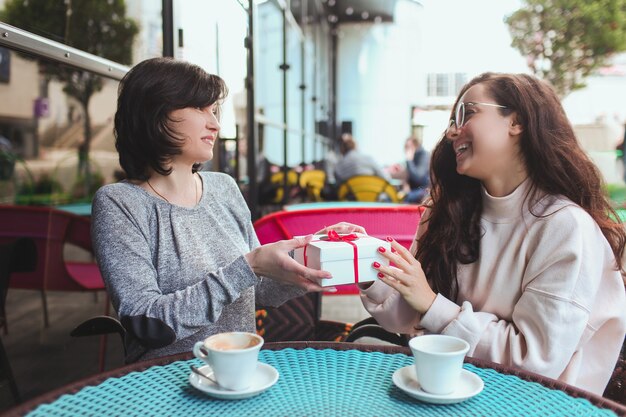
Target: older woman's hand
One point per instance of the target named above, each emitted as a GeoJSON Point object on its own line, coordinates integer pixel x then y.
{"type": "Point", "coordinates": [273, 261]}
{"type": "Point", "coordinates": [343, 227]}
{"type": "Point", "coordinates": [407, 277]}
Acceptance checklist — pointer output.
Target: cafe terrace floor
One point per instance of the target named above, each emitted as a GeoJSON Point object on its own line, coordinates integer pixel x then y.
{"type": "Point", "coordinates": [44, 359]}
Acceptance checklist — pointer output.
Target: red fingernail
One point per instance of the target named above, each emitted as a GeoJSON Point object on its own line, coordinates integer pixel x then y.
{"type": "Point", "coordinates": [381, 275]}
{"type": "Point", "coordinates": [393, 250]}
{"type": "Point", "coordinates": [376, 265]}
{"type": "Point", "coordinates": [382, 250]}
{"type": "Point", "coordinates": [389, 239]}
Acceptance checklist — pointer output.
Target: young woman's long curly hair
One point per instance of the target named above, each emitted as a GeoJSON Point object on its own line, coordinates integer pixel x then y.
{"type": "Point", "coordinates": [555, 163]}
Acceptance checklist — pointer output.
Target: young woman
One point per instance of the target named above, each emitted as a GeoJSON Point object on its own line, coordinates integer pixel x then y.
{"type": "Point", "coordinates": [518, 252]}
{"type": "Point", "coordinates": [176, 247]}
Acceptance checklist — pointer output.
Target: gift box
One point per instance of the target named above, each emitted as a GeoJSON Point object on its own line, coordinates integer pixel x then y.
{"type": "Point", "coordinates": [348, 258]}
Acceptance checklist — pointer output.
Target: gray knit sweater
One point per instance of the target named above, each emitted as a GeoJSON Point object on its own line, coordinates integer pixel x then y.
{"type": "Point", "coordinates": [176, 275]}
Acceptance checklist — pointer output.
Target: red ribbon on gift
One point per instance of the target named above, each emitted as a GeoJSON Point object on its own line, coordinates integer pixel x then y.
{"type": "Point", "coordinates": [335, 237]}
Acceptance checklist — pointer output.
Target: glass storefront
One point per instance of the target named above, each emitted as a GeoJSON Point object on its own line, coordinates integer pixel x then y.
{"type": "Point", "coordinates": [56, 121]}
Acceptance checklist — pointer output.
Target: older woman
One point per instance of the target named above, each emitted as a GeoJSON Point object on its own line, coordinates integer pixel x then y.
{"type": "Point", "coordinates": [176, 247]}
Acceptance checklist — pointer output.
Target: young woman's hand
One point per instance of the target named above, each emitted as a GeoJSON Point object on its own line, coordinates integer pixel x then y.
{"type": "Point", "coordinates": [407, 277]}
{"type": "Point", "coordinates": [343, 227]}
{"type": "Point", "coordinates": [273, 261]}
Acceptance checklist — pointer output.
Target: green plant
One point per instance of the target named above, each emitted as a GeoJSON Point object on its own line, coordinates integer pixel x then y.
{"type": "Point", "coordinates": [565, 41]}
{"type": "Point", "coordinates": [47, 185]}
{"type": "Point", "coordinates": [80, 192]}
{"type": "Point", "coordinates": [616, 194]}
{"type": "Point", "coordinates": [7, 164]}
{"type": "Point", "coordinates": [45, 190]}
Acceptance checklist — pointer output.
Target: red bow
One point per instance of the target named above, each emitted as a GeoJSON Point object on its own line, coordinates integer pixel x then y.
{"type": "Point", "coordinates": [335, 237]}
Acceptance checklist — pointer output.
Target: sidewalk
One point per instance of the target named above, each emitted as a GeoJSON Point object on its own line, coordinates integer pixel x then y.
{"type": "Point", "coordinates": [45, 359]}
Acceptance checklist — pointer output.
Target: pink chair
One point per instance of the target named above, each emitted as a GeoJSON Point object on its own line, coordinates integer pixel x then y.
{"type": "Point", "coordinates": [51, 230]}
{"type": "Point", "coordinates": [299, 318]}
{"type": "Point", "coordinates": [399, 222]}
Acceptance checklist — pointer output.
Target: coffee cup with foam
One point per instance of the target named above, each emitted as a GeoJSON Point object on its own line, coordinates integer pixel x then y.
{"type": "Point", "coordinates": [232, 356]}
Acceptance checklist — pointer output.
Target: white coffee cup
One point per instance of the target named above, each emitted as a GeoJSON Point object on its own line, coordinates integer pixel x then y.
{"type": "Point", "coordinates": [438, 362]}
{"type": "Point", "coordinates": [232, 356]}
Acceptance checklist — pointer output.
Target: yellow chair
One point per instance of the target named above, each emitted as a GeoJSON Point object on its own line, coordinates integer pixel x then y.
{"type": "Point", "coordinates": [277, 180]}
{"type": "Point", "coordinates": [312, 182]}
{"type": "Point", "coordinates": [367, 188]}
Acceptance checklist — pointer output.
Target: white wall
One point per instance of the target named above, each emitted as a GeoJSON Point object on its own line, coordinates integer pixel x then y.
{"type": "Point", "coordinates": [213, 34]}
{"type": "Point", "coordinates": [378, 81]}
{"type": "Point", "coordinates": [18, 96]}
{"type": "Point", "coordinates": [149, 40]}
{"type": "Point", "coordinates": [602, 98]}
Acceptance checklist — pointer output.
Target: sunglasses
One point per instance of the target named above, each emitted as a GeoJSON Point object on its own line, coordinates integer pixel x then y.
{"type": "Point", "coordinates": [459, 112]}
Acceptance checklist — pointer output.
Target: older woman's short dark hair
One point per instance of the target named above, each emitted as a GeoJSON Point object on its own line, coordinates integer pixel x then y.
{"type": "Point", "coordinates": [147, 95]}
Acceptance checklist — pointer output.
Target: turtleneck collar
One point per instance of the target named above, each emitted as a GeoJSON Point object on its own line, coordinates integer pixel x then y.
{"type": "Point", "coordinates": [507, 208]}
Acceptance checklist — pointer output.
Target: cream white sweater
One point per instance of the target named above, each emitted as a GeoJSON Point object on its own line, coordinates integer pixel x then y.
{"type": "Point", "coordinates": [544, 294]}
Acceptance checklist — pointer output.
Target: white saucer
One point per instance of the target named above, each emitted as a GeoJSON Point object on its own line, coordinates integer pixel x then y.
{"type": "Point", "coordinates": [470, 385]}
{"type": "Point", "coordinates": [265, 376]}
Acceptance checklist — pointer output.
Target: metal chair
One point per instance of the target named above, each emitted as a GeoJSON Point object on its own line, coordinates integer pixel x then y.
{"type": "Point", "coordinates": [616, 388]}
{"type": "Point", "coordinates": [17, 256]}
{"type": "Point", "coordinates": [312, 182]}
{"type": "Point", "coordinates": [367, 188]}
{"type": "Point", "coordinates": [299, 319]}
{"type": "Point", "coordinates": [369, 327]}
{"type": "Point", "coordinates": [20, 255]}
{"type": "Point", "coordinates": [399, 222]}
{"type": "Point", "coordinates": [277, 180]}
{"type": "Point", "coordinates": [101, 326]}
{"type": "Point", "coordinates": [51, 230]}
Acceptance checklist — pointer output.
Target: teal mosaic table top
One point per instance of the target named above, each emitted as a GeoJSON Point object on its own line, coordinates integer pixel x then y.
{"type": "Point", "coordinates": [313, 382]}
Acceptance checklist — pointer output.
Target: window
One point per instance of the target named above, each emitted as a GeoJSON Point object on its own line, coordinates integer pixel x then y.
{"type": "Point", "coordinates": [445, 84]}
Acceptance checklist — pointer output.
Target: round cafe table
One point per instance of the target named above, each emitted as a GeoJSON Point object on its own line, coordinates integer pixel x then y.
{"type": "Point", "coordinates": [316, 379]}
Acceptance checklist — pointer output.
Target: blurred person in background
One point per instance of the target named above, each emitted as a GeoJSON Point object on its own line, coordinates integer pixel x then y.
{"type": "Point", "coordinates": [417, 169]}
{"type": "Point", "coordinates": [353, 162]}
